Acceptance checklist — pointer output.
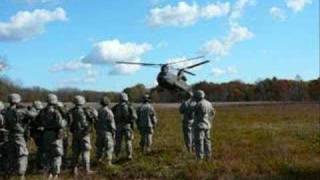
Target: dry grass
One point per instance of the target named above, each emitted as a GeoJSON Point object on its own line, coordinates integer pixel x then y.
{"type": "Point", "coordinates": [249, 142]}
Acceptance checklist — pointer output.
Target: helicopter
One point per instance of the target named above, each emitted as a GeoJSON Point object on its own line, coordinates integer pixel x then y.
{"type": "Point", "coordinates": [169, 80]}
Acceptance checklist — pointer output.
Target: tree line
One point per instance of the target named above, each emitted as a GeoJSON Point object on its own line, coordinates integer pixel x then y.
{"type": "Point", "coordinates": [269, 89]}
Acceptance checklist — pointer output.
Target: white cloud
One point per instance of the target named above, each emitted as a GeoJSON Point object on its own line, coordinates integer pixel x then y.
{"type": "Point", "coordinates": [297, 5]}
{"type": "Point", "coordinates": [238, 9]}
{"type": "Point", "coordinates": [227, 71]}
{"type": "Point", "coordinates": [90, 77]}
{"type": "Point", "coordinates": [184, 14]}
{"type": "Point", "coordinates": [3, 64]}
{"type": "Point", "coordinates": [222, 47]}
{"type": "Point", "coordinates": [70, 66]}
{"type": "Point", "coordinates": [109, 51]}
{"type": "Point", "coordinates": [277, 13]}
{"type": "Point", "coordinates": [25, 24]}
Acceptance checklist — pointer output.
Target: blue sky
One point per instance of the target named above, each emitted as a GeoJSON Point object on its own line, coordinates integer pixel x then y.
{"type": "Point", "coordinates": [72, 43]}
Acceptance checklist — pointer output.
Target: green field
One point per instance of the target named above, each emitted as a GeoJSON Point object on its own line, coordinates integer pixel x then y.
{"type": "Point", "coordinates": [249, 142]}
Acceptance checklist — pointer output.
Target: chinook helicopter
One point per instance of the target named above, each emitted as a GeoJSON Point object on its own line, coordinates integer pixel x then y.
{"type": "Point", "coordinates": [170, 80]}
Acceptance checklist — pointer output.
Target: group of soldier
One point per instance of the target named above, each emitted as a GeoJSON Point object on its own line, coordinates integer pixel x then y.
{"type": "Point", "coordinates": [49, 127]}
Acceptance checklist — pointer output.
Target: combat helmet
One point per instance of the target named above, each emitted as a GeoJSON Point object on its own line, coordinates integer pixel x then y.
{"type": "Point", "coordinates": [199, 94]}
{"type": "Point", "coordinates": [37, 104]}
{"type": "Point", "coordinates": [124, 97]}
{"type": "Point", "coordinates": [14, 98]}
{"type": "Point", "coordinates": [79, 100]}
{"type": "Point", "coordinates": [105, 101]}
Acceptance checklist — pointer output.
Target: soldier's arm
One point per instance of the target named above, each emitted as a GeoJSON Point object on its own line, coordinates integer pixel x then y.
{"type": "Point", "coordinates": [112, 123]}
{"type": "Point", "coordinates": [182, 108]}
{"type": "Point", "coordinates": [153, 116]}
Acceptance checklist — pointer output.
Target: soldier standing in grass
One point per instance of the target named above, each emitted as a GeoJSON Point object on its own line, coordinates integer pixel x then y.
{"type": "Point", "coordinates": [52, 125]}
{"type": "Point", "coordinates": [81, 120]}
{"type": "Point", "coordinates": [125, 117]}
{"type": "Point", "coordinates": [187, 109]}
{"type": "Point", "coordinates": [17, 119]}
{"type": "Point", "coordinates": [146, 122]}
{"type": "Point", "coordinates": [36, 133]}
{"type": "Point", "coordinates": [3, 142]}
{"type": "Point", "coordinates": [65, 139]}
{"type": "Point", "coordinates": [203, 115]}
{"type": "Point", "coordinates": [105, 130]}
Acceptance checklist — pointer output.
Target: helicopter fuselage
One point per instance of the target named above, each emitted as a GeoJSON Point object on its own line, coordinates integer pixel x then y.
{"type": "Point", "coordinates": [171, 81]}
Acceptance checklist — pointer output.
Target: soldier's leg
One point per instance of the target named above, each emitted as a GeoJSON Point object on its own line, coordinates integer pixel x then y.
{"type": "Point", "coordinates": [99, 147]}
{"type": "Point", "coordinates": [86, 160]}
{"type": "Point", "coordinates": [109, 148]}
{"type": "Point", "coordinates": [143, 141]}
{"type": "Point", "coordinates": [199, 138]}
{"type": "Point", "coordinates": [22, 164]}
{"type": "Point", "coordinates": [149, 135]}
{"type": "Point", "coordinates": [75, 154]}
{"type": "Point", "coordinates": [187, 133]}
{"type": "Point", "coordinates": [86, 147]}
{"type": "Point", "coordinates": [65, 150]}
{"type": "Point", "coordinates": [128, 139]}
{"type": "Point", "coordinates": [207, 144]}
{"type": "Point", "coordinates": [118, 138]}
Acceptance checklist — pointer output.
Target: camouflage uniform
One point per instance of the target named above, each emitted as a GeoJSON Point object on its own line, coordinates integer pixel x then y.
{"type": "Point", "coordinates": [52, 125]}
{"type": "Point", "coordinates": [65, 139]}
{"type": "Point", "coordinates": [187, 109]}
{"type": "Point", "coordinates": [36, 133]}
{"type": "Point", "coordinates": [3, 141]}
{"type": "Point", "coordinates": [81, 120]}
{"type": "Point", "coordinates": [125, 117]}
{"type": "Point", "coordinates": [105, 130]}
{"type": "Point", "coordinates": [16, 122]}
{"type": "Point", "coordinates": [203, 116]}
{"type": "Point", "coordinates": [146, 123]}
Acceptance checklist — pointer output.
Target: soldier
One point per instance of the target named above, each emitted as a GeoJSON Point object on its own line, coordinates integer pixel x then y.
{"type": "Point", "coordinates": [3, 142]}
{"type": "Point", "coordinates": [105, 130]}
{"type": "Point", "coordinates": [146, 122]}
{"type": "Point", "coordinates": [81, 119]}
{"type": "Point", "coordinates": [36, 133]}
{"type": "Point", "coordinates": [125, 117]}
{"type": "Point", "coordinates": [65, 139]}
{"type": "Point", "coordinates": [16, 122]}
{"type": "Point", "coordinates": [203, 115]}
{"type": "Point", "coordinates": [187, 109]}
{"type": "Point", "coordinates": [52, 125]}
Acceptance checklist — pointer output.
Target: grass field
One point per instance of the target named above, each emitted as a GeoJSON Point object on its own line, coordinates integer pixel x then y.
{"type": "Point", "coordinates": [249, 142]}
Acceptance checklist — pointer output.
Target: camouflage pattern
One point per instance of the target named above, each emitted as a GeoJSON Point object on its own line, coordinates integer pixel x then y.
{"type": "Point", "coordinates": [105, 130]}
{"type": "Point", "coordinates": [81, 120]}
{"type": "Point", "coordinates": [187, 109]}
{"type": "Point", "coordinates": [37, 134]}
{"type": "Point", "coordinates": [146, 123]}
{"type": "Point", "coordinates": [16, 122]}
{"type": "Point", "coordinates": [65, 139]}
{"type": "Point", "coordinates": [51, 120]}
{"type": "Point", "coordinates": [3, 141]}
{"type": "Point", "coordinates": [203, 115]}
{"type": "Point", "coordinates": [125, 117]}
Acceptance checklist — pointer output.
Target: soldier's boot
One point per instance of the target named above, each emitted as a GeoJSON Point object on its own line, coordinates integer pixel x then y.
{"type": "Point", "coordinates": [55, 177]}
{"type": "Point", "coordinates": [86, 159]}
{"type": "Point", "coordinates": [22, 177]}
{"type": "Point", "coordinates": [75, 171]}
{"type": "Point", "coordinates": [129, 150]}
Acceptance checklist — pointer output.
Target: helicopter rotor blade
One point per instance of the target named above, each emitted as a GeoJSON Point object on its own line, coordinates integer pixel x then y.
{"type": "Point", "coordinates": [188, 72]}
{"type": "Point", "coordinates": [136, 63]}
{"type": "Point", "coordinates": [195, 65]}
{"type": "Point", "coordinates": [185, 60]}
